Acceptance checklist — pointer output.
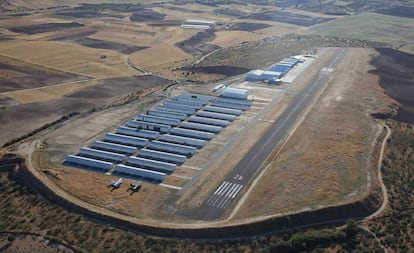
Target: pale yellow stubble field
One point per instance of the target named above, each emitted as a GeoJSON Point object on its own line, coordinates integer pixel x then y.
{"type": "Point", "coordinates": [68, 57]}
{"type": "Point", "coordinates": [46, 93]}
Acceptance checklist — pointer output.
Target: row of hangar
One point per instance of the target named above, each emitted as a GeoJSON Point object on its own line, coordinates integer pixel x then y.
{"type": "Point", "coordinates": [151, 145]}
{"type": "Point", "coordinates": [275, 72]}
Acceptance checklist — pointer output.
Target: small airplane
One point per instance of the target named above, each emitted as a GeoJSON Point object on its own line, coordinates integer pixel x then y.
{"type": "Point", "coordinates": [135, 188]}
{"type": "Point", "coordinates": [115, 184]}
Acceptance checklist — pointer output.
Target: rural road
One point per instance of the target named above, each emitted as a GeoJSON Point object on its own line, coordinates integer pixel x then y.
{"type": "Point", "coordinates": [383, 188]}
{"type": "Point", "coordinates": [226, 193]}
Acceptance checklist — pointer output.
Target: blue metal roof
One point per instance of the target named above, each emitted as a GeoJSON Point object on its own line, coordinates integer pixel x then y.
{"type": "Point", "coordinates": [140, 172]}
{"type": "Point", "coordinates": [162, 156]}
{"type": "Point", "coordinates": [112, 147]}
{"type": "Point", "coordinates": [88, 162]}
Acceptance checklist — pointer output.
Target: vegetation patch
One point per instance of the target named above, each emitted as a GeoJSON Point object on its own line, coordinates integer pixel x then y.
{"type": "Point", "coordinates": [29, 76]}
{"type": "Point", "coordinates": [144, 15]}
{"type": "Point", "coordinates": [221, 70]}
{"type": "Point", "coordinates": [287, 17]}
{"type": "Point", "coordinates": [396, 31]}
{"type": "Point", "coordinates": [398, 10]}
{"type": "Point", "coordinates": [244, 26]}
{"type": "Point", "coordinates": [261, 54]}
{"type": "Point", "coordinates": [197, 44]}
{"type": "Point", "coordinates": [396, 70]}
{"type": "Point", "coordinates": [122, 48]}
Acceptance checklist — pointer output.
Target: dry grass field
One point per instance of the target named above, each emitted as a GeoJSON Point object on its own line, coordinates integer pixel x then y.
{"type": "Point", "coordinates": [67, 57]}
{"type": "Point", "coordinates": [327, 159]}
{"type": "Point", "coordinates": [46, 93]}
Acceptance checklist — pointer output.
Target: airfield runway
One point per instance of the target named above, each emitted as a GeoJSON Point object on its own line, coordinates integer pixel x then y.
{"type": "Point", "coordinates": [225, 194]}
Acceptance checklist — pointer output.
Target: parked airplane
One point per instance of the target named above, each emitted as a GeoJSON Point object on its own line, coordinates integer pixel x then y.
{"type": "Point", "coordinates": [135, 188]}
{"type": "Point", "coordinates": [116, 184]}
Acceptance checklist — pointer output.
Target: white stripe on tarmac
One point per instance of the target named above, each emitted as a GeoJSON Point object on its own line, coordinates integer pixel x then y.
{"type": "Point", "coordinates": [226, 189]}
{"type": "Point", "coordinates": [237, 191]}
{"type": "Point", "coordinates": [223, 189]}
{"type": "Point", "coordinates": [225, 203]}
{"type": "Point", "coordinates": [231, 190]}
{"type": "Point", "coordinates": [221, 186]}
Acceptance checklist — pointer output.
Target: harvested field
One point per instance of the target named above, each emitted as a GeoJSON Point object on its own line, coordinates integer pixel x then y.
{"type": "Point", "coordinates": [21, 119]}
{"type": "Point", "coordinates": [248, 26]}
{"type": "Point", "coordinates": [197, 44]}
{"type": "Point", "coordinates": [43, 28]}
{"type": "Point", "coordinates": [46, 93]}
{"type": "Point", "coordinates": [122, 48]}
{"type": "Point", "coordinates": [230, 12]}
{"type": "Point", "coordinates": [27, 76]}
{"type": "Point", "coordinates": [76, 36]}
{"type": "Point", "coordinates": [221, 70]}
{"type": "Point", "coordinates": [145, 15]}
{"type": "Point", "coordinates": [396, 70]}
{"type": "Point", "coordinates": [286, 17]}
{"type": "Point", "coordinates": [83, 39]}
{"type": "Point", "coordinates": [88, 14]}
{"type": "Point", "coordinates": [175, 8]}
{"type": "Point", "coordinates": [68, 57]}
{"type": "Point", "coordinates": [232, 38]}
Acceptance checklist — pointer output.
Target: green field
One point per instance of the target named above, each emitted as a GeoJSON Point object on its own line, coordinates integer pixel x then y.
{"type": "Point", "coordinates": [396, 31]}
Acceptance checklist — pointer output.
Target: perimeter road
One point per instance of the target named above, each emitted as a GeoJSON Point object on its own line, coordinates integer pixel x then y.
{"type": "Point", "coordinates": [224, 195]}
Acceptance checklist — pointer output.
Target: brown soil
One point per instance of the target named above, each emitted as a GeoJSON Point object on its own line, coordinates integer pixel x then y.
{"type": "Point", "coordinates": [230, 12]}
{"type": "Point", "coordinates": [165, 23]}
{"type": "Point", "coordinates": [43, 28]}
{"type": "Point", "coordinates": [197, 44]}
{"type": "Point", "coordinates": [87, 14]}
{"type": "Point", "coordinates": [28, 76]}
{"type": "Point", "coordinates": [396, 70]}
{"type": "Point", "coordinates": [21, 119]}
{"type": "Point", "coordinates": [145, 15]}
{"type": "Point", "coordinates": [82, 39]}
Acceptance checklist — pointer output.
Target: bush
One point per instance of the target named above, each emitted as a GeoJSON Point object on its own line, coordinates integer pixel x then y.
{"type": "Point", "coordinates": [11, 238]}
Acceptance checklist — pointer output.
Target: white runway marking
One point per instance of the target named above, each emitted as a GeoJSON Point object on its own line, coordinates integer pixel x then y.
{"type": "Point", "coordinates": [224, 194]}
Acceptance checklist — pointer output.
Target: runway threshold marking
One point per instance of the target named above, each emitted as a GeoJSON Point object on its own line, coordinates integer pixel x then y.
{"type": "Point", "coordinates": [224, 194]}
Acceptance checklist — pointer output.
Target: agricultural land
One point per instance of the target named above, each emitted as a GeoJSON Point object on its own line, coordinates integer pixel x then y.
{"type": "Point", "coordinates": [321, 161]}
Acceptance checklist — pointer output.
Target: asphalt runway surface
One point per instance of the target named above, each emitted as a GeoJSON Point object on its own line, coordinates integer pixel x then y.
{"type": "Point", "coordinates": [226, 193]}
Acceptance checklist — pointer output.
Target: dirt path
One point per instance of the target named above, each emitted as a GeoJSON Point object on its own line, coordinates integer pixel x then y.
{"type": "Point", "coordinates": [383, 188]}
{"type": "Point", "coordinates": [133, 66]}
{"type": "Point", "coordinates": [375, 237]}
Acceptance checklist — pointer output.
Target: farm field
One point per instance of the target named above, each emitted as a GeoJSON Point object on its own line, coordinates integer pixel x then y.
{"type": "Point", "coordinates": [45, 105]}
{"type": "Point", "coordinates": [72, 71]}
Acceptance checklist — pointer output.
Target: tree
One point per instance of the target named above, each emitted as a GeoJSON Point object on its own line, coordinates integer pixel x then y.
{"type": "Point", "coordinates": [351, 228]}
